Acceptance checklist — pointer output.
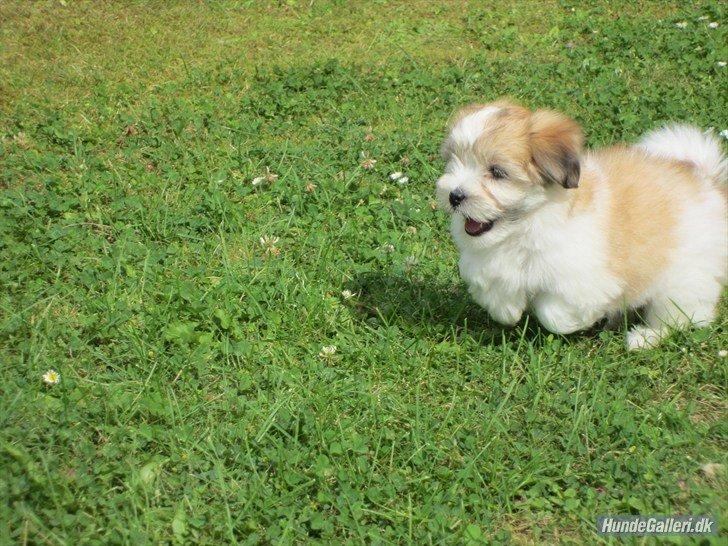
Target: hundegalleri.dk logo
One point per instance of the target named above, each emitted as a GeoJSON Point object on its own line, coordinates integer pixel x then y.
{"type": "Point", "coordinates": [656, 525]}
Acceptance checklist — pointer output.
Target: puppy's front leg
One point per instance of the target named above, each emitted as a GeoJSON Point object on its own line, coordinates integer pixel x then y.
{"type": "Point", "coordinates": [562, 317]}
{"type": "Point", "coordinates": [505, 306]}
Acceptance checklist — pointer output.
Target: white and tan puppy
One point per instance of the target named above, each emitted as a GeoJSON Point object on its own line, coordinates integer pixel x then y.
{"type": "Point", "coordinates": [579, 235]}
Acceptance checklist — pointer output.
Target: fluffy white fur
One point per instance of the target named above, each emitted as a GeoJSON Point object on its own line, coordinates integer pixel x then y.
{"type": "Point", "coordinates": [541, 256]}
{"type": "Point", "coordinates": [688, 143]}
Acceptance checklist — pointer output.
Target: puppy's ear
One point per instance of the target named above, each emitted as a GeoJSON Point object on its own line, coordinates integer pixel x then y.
{"type": "Point", "coordinates": [556, 142]}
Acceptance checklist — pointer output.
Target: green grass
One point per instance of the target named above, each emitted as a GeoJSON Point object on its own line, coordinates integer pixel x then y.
{"type": "Point", "coordinates": [194, 406]}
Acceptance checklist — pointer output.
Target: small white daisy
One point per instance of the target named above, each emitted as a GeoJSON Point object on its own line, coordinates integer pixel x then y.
{"type": "Point", "coordinates": [51, 377]}
{"type": "Point", "coordinates": [395, 176]}
{"type": "Point", "coordinates": [714, 24]}
{"type": "Point", "coordinates": [681, 24]}
{"type": "Point", "coordinates": [327, 351]}
{"type": "Point", "coordinates": [723, 353]}
{"type": "Point", "coordinates": [403, 180]}
{"type": "Point", "coordinates": [347, 294]}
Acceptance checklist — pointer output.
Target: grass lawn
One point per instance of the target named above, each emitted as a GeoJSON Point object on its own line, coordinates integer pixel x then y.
{"type": "Point", "coordinates": [186, 308]}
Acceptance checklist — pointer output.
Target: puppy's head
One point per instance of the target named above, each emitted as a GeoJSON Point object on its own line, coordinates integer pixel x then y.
{"type": "Point", "coordinates": [502, 162]}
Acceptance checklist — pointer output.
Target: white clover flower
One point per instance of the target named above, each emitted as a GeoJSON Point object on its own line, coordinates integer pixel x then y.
{"type": "Point", "coordinates": [711, 470]}
{"type": "Point", "coordinates": [51, 377]}
{"type": "Point", "coordinates": [702, 18]}
{"type": "Point", "coordinates": [21, 139]}
{"type": "Point", "coordinates": [267, 177]}
{"type": "Point", "coordinates": [681, 24]}
{"type": "Point", "coordinates": [347, 294]}
{"type": "Point", "coordinates": [395, 176]}
{"type": "Point", "coordinates": [410, 262]}
{"type": "Point", "coordinates": [714, 24]}
{"type": "Point", "coordinates": [268, 242]}
{"type": "Point", "coordinates": [403, 180]}
{"type": "Point", "coordinates": [721, 64]}
{"type": "Point", "coordinates": [368, 164]}
{"type": "Point", "coordinates": [723, 353]}
{"type": "Point", "coordinates": [724, 133]}
{"type": "Point", "coordinates": [411, 230]}
{"type": "Point", "coordinates": [388, 248]}
{"type": "Point", "coordinates": [327, 351]}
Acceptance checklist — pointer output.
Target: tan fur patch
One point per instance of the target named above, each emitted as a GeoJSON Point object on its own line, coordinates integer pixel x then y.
{"type": "Point", "coordinates": [507, 134]}
{"type": "Point", "coordinates": [582, 197]}
{"type": "Point", "coordinates": [646, 195]}
{"type": "Point", "coordinates": [505, 143]}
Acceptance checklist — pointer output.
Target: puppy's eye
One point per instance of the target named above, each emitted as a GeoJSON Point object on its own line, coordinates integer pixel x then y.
{"type": "Point", "coordinates": [497, 172]}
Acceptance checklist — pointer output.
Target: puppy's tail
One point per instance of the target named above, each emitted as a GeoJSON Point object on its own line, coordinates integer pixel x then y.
{"type": "Point", "coordinates": [688, 143]}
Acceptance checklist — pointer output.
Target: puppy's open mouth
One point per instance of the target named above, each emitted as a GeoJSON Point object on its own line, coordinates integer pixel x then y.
{"type": "Point", "coordinates": [475, 228]}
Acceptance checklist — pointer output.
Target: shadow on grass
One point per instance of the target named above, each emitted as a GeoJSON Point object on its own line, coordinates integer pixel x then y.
{"type": "Point", "coordinates": [426, 305]}
{"type": "Point", "coordinates": [429, 306]}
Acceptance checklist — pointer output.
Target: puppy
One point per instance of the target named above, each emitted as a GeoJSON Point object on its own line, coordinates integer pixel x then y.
{"type": "Point", "coordinates": [580, 235]}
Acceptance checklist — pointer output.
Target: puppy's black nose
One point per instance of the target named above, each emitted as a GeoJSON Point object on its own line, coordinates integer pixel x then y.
{"type": "Point", "coordinates": [456, 197]}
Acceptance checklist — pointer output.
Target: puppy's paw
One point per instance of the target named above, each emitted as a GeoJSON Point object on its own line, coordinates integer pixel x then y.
{"type": "Point", "coordinates": [506, 314]}
{"type": "Point", "coordinates": [504, 307]}
{"type": "Point", "coordinates": [643, 337]}
{"type": "Point", "coordinates": [561, 317]}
